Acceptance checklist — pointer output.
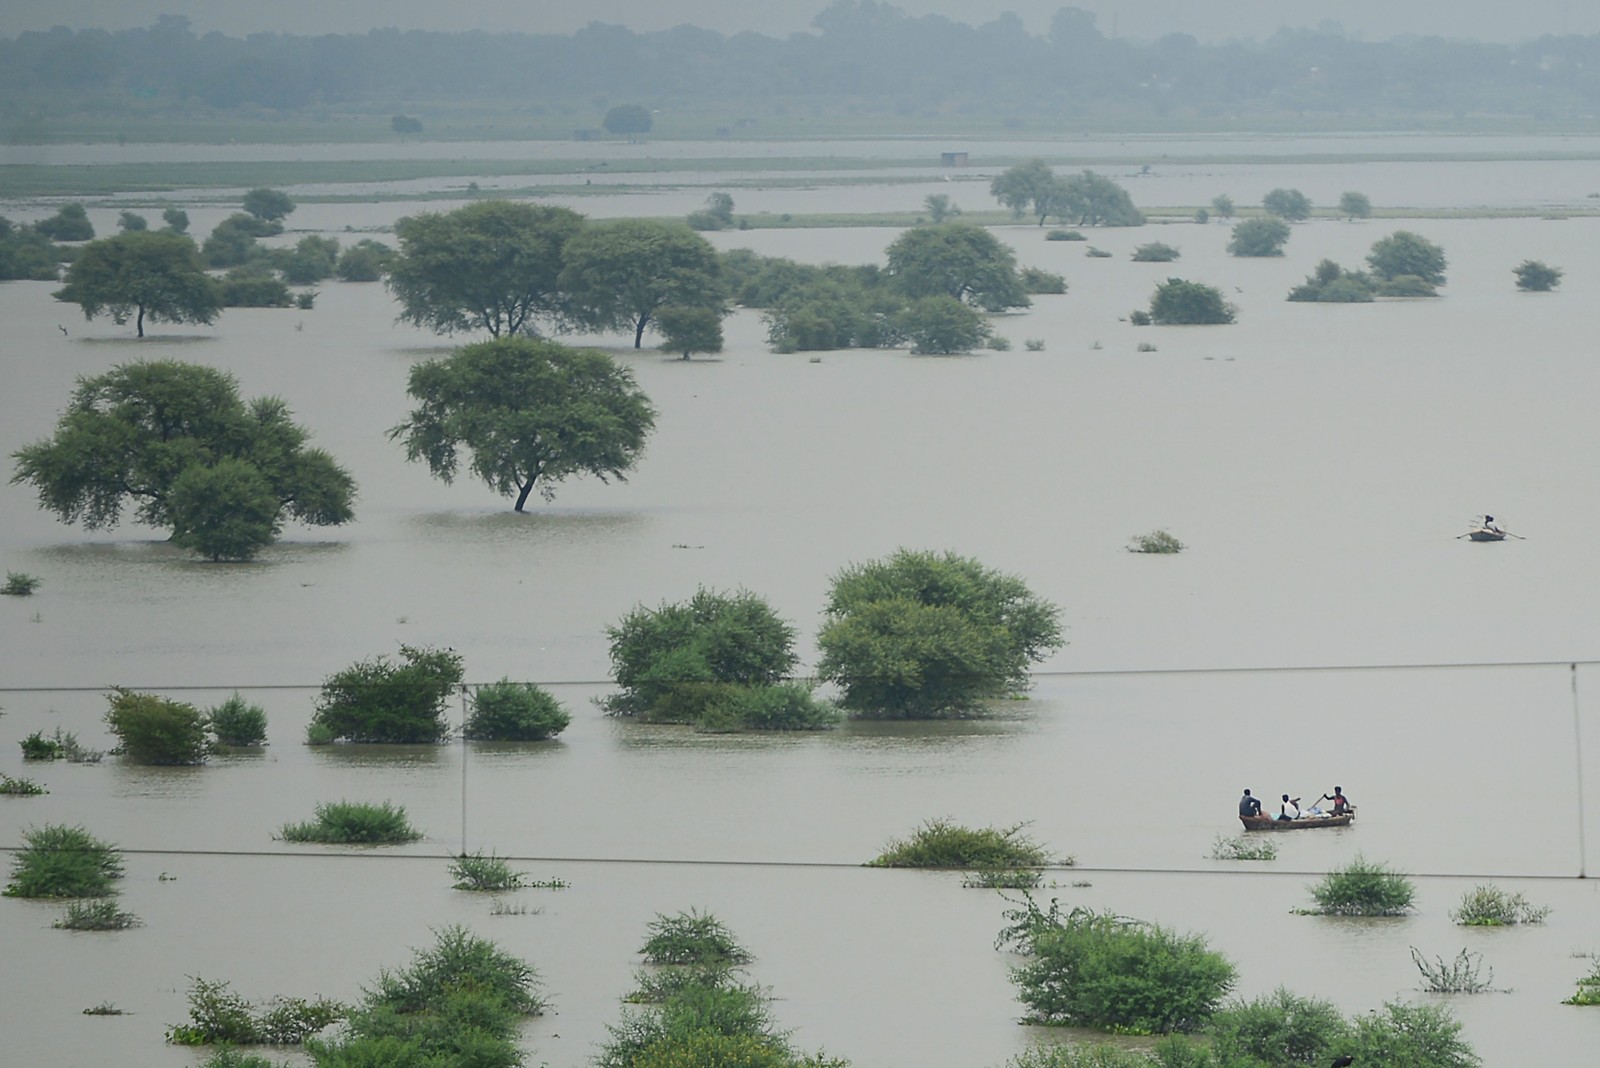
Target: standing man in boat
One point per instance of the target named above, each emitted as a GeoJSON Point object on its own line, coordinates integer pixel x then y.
{"type": "Point", "coordinates": [1249, 806]}
{"type": "Point", "coordinates": [1341, 804]}
{"type": "Point", "coordinates": [1290, 809]}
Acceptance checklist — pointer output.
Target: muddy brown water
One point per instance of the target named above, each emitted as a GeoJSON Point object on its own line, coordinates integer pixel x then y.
{"type": "Point", "coordinates": [1318, 461]}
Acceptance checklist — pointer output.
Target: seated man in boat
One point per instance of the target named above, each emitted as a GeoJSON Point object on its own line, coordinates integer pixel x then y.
{"type": "Point", "coordinates": [1249, 806]}
{"type": "Point", "coordinates": [1290, 809]}
{"type": "Point", "coordinates": [1341, 804]}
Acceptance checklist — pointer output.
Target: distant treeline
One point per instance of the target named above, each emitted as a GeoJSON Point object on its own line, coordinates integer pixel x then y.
{"type": "Point", "coordinates": [864, 57]}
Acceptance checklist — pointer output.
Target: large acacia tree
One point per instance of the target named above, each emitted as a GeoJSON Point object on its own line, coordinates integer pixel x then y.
{"type": "Point", "coordinates": [491, 266]}
{"type": "Point", "coordinates": [959, 260]}
{"type": "Point", "coordinates": [177, 442]}
{"type": "Point", "coordinates": [147, 274]}
{"type": "Point", "coordinates": [529, 413]}
{"type": "Point", "coordinates": [619, 274]}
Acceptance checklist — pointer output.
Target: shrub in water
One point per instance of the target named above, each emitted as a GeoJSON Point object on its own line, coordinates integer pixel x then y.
{"type": "Point", "coordinates": [1076, 1055]}
{"type": "Point", "coordinates": [1458, 976]}
{"type": "Point", "coordinates": [37, 747]}
{"type": "Point", "coordinates": [354, 823]}
{"type": "Point", "coordinates": [941, 843]}
{"type": "Point", "coordinates": [379, 701]}
{"type": "Point", "coordinates": [154, 730]}
{"type": "Point", "coordinates": [237, 722]}
{"type": "Point", "coordinates": [1155, 252]}
{"type": "Point", "coordinates": [1532, 276]}
{"type": "Point", "coordinates": [219, 1016]}
{"type": "Point", "coordinates": [509, 711]}
{"type": "Point", "coordinates": [20, 787]}
{"type": "Point", "coordinates": [692, 937]}
{"type": "Point", "coordinates": [1065, 235]}
{"type": "Point", "coordinates": [95, 915]}
{"type": "Point", "coordinates": [61, 861]}
{"type": "Point", "coordinates": [1238, 847]}
{"type": "Point", "coordinates": [1490, 906]}
{"type": "Point", "coordinates": [1424, 1036]}
{"type": "Point", "coordinates": [1279, 1028]}
{"type": "Point", "coordinates": [459, 960]}
{"type": "Point", "coordinates": [1588, 987]}
{"type": "Point", "coordinates": [19, 584]}
{"type": "Point", "coordinates": [1363, 888]}
{"type": "Point", "coordinates": [1003, 879]}
{"type": "Point", "coordinates": [481, 873]}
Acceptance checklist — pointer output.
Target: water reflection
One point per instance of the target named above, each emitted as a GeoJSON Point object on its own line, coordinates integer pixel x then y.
{"type": "Point", "coordinates": [158, 783]}
{"type": "Point", "coordinates": [506, 526]}
{"type": "Point", "coordinates": [359, 755]}
{"type": "Point", "coordinates": [512, 754]}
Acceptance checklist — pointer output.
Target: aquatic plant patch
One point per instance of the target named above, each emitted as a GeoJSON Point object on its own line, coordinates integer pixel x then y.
{"type": "Point", "coordinates": [942, 843]}
{"type": "Point", "coordinates": [100, 914]}
{"type": "Point", "coordinates": [354, 823]}
{"type": "Point", "coordinates": [61, 861]}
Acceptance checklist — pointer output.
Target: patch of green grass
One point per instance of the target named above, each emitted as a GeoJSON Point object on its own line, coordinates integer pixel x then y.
{"type": "Point", "coordinates": [1240, 847]}
{"type": "Point", "coordinates": [1490, 906]}
{"type": "Point", "coordinates": [95, 915]}
{"type": "Point", "coordinates": [354, 823]}
{"type": "Point", "coordinates": [484, 874]}
{"type": "Point", "coordinates": [941, 843]}
{"type": "Point", "coordinates": [61, 861]}
{"type": "Point", "coordinates": [19, 787]}
{"type": "Point", "coordinates": [692, 937]}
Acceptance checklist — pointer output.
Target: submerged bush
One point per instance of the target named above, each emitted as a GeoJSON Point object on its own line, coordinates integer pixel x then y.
{"type": "Point", "coordinates": [379, 701]}
{"type": "Point", "coordinates": [37, 747]}
{"type": "Point", "coordinates": [1490, 906]}
{"type": "Point", "coordinates": [218, 1016]}
{"type": "Point", "coordinates": [1418, 1036]}
{"type": "Point", "coordinates": [1157, 541]}
{"type": "Point", "coordinates": [1460, 975]}
{"type": "Point", "coordinates": [1363, 888]}
{"type": "Point", "coordinates": [1240, 847]}
{"type": "Point", "coordinates": [1532, 277]}
{"type": "Point", "coordinates": [20, 584]}
{"type": "Point", "coordinates": [1588, 992]}
{"type": "Point", "coordinates": [459, 960]}
{"type": "Point", "coordinates": [692, 937]}
{"type": "Point", "coordinates": [482, 874]}
{"type": "Point", "coordinates": [237, 722]}
{"type": "Point", "coordinates": [61, 861]}
{"type": "Point", "coordinates": [154, 730]}
{"type": "Point", "coordinates": [354, 823]}
{"type": "Point", "coordinates": [20, 787]}
{"type": "Point", "coordinates": [1155, 252]}
{"type": "Point", "coordinates": [507, 711]}
{"type": "Point", "coordinates": [99, 914]}
{"type": "Point", "coordinates": [1280, 1028]}
{"type": "Point", "coordinates": [941, 843]}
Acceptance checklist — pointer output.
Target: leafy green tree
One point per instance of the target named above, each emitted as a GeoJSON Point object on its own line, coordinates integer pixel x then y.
{"type": "Point", "coordinates": [939, 207]}
{"type": "Point", "coordinates": [1179, 302]}
{"type": "Point", "coordinates": [155, 730]}
{"type": "Point", "coordinates": [922, 634]}
{"type": "Point", "coordinates": [1092, 199]}
{"type": "Point", "coordinates": [1291, 205]}
{"type": "Point", "coordinates": [719, 206]}
{"type": "Point", "coordinates": [237, 723]}
{"type": "Point", "coordinates": [224, 511]}
{"type": "Point", "coordinates": [144, 274]}
{"type": "Point", "coordinates": [269, 205]}
{"type": "Point", "coordinates": [26, 253]}
{"type": "Point", "coordinates": [69, 223]}
{"type": "Point", "coordinates": [628, 120]}
{"type": "Point", "coordinates": [1405, 253]}
{"type": "Point", "coordinates": [507, 711]}
{"type": "Point", "coordinates": [490, 266]}
{"type": "Point", "coordinates": [1030, 186]}
{"type": "Point", "coordinates": [377, 700]}
{"type": "Point", "coordinates": [312, 260]}
{"type": "Point", "coordinates": [177, 220]}
{"type": "Point", "coordinates": [1259, 237]}
{"type": "Point", "coordinates": [1536, 277]}
{"type": "Point", "coordinates": [129, 434]}
{"type": "Point", "coordinates": [1222, 206]}
{"type": "Point", "coordinates": [1354, 205]}
{"type": "Point", "coordinates": [619, 274]}
{"type": "Point", "coordinates": [130, 221]}
{"type": "Point", "coordinates": [365, 261]}
{"type": "Point", "coordinates": [958, 260]}
{"type": "Point", "coordinates": [689, 330]}
{"type": "Point", "coordinates": [529, 412]}
{"type": "Point", "coordinates": [233, 241]}
{"type": "Point", "coordinates": [941, 325]}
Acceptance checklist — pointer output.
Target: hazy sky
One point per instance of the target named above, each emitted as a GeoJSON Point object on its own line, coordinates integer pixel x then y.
{"type": "Point", "coordinates": [1495, 20]}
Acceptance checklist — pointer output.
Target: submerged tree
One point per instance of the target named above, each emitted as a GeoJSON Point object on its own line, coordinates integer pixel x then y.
{"type": "Point", "coordinates": [1179, 302]}
{"type": "Point", "coordinates": [145, 274]}
{"type": "Point", "coordinates": [1536, 277]}
{"type": "Point", "coordinates": [529, 412]}
{"type": "Point", "coordinates": [957, 260]}
{"type": "Point", "coordinates": [1405, 254]}
{"type": "Point", "coordinates": [619, 274]}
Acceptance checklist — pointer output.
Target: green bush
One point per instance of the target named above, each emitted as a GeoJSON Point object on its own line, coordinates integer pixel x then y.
{"type": "Point", "coordinates": [20, 584]}
{"type": "Point", "coordinates": [19, 787]}
{"type": "Point", "coordinates": [1460, 975]}
{"type": "Point", "coordinates": [1536, 277]}
{"type": "Point", "coordinates": [922, 635]}
{"type": "Point", "coordinates": [1003, 879]}
{"type": "Point", "coordinates": [692, 937]}
{"type": "Point", "coordinates": [1405, 254]}
{"type": "Point", "coordinates": [1489, 906]}
{"type": "Point", "coordinates": [1405, 285]}
{"type": "Point", "coordinates": [483, 874]}
{"type": "Point", "coordinates": [37, 747]}
{"type": "Point", "coordinates": [659, 984]}
{"type": "Point", "coordinates": [379, 701]}
{"type": "Point", "coordinates": [459, 960]}
{"type": "Point", "coordinates": [1332, 284]}
{"type": "Point", "coordinates": [1089, 969]}
{"type": "Point", "coordinates": [218, 1016]}
{"type": "Point", "coordinates": [1280, 1028]}
{"type": "Point", "coordinates": [228, 1057]}
{"type": "Point", "coordinates": [1588, 992]}
{"type": "Point", "coordinates": [787, 706]}
{"type": "Point", "coordinates": [1363, 888]}
{"type": "Point", "coordinates": [1177, 302]}
{"type": "Point", "coordinates": [1259, 237]}
{"type": "Point", "coordinates": [154, 730]}
{"type": "Point", "coordinates": [1239, 847]}
{"type": "Point", "coordinates": [95, 915]}
{"type": "Point", "coordinates": [244, 287]}
{"type": "Point", "coordinates": [1290, 204]}
{"type": "Point", "coordinates": [60, 861]}
{"type": "Point", "coordinates": [507, 711]}
{"type": "Point", "coordinates": [942, 325]}
{"type": "Point", "coordinates": [1417, 1036]}
{"type": "Point", "coordinates": [354, 823]}
{"type": "Point", "coordinates": [1078, 1055]}
{"type": "Point", "coordinates": [1157, 541]}
{"type": "Point", "coordinates": [939, 843]}
{"type": "Point", "coordinates": [1064, 235]}
{"type": "Point", "coordinates": [236, 722]}
{"type": "Point", "coordinates": [1043, 282]}
{"type": "Point", "coordinates": [364, 261]}
{"type": "Point", "coordinates": [704, 1048]}
{"type": "Point", "coordinates": [1155, 252]}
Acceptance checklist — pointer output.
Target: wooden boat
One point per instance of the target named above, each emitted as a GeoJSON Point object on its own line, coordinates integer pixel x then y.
{"type": "Point", "coordinates": [1304, 823]}
{"type": "Point", "coordinates": [1486, 534]}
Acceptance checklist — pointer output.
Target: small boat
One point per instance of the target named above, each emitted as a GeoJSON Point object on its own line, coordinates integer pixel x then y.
{"type": "Point", "coordinates": [1486, 534]}
{"type": "Point", "coordinates": [1304, 823]}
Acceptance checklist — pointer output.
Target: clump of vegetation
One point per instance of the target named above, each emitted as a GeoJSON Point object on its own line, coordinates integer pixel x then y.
{"type": "Point", "coordinates": [380, 701]}
{"type": "Point", "coordinates": [1155, 252]}
{"type": "Point", "coordinates": [1046, 283]}
{"type": "Point", "coordinates": [1257, 238]}
{"type": "Point", "coordinates": [219, 1016]}
{"type": "Point", "coordinates": [1408, 264]}
{"type": "Point", "coordinates": [1171, 1052]}
{"type": "Point", "coordinates": [1289, 204]}
{"type": "Point", "coordinates": [20, 787]}
{"type": "Point", "coordinates": [941, 843]}
{"type": "Point", "coordinates": [1278, 1028]}
{"type": "Point", "coordinates": [1157, 541]}
{"type": "Point", "coordinates": [37, 747]}
{"type": "Point", "coordinates": [1144, 346]}
{"type": "Point", "coordinates": [1003, 879]}
{"type": "Point", "coordinates": [1064, 235]}
{"type": "Point", "coordinates": [507, 711]}
{"type": "Point", "coordinates": [155, 730]}
{"type": "Point", "coordinates": [1034, 344]}
{"type": "Point", "coordinates": [1138, 317]}
{"type": "Point", "coordinates": [95, 915]}
{"type": "Point", "coordinates": [717, 661]}
{"type": "Point", "coordinates": [1363, 888]}
{"type": "Point", "coordinates": [923, 635]}
{"type": "Point", "coordinates": [1099, 970]}
{"type": "Point", "coordinates": [1240, 847]}
{"type": "Point", "coordinates": [1097, 253]}
{"type": "Point", "coordinates": [354, 823]}
{"type": "Point", "coordinates": [1462, 975]}
{"type": "Point", "coordinates": [1588, 992]}
{"type": "Point", "coordinates": [484, 874]}
{"type": "Point", "coordinates": [1490, 906]}
{"type": "Point", "coordinates": [1332, 284]}
{"type": "Point", "coordinates": [20, 584]}
{"type": "Point", "coordinates": [1532, 277]}
{"type": "Point", "coordinates": [1177, 302]}
{"type": "Point", "coordinates": [692, 937]}
{"type": "Point", "coordinates": [365, 261]}
{"type": "Point", "coordinates": [105, 1008]}
{"type": "Point", "coordinates": [238, 723]}
{"type": "Point", "coordinates": [61, 861]}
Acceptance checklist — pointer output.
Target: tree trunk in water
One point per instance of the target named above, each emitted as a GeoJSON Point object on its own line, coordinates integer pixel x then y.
{"type": "Point", "coordinates": [140, 323]}
{"type": "Point", "coordinates": [638, 332]}
{"type": "Point", "coordinates": [522, 498]}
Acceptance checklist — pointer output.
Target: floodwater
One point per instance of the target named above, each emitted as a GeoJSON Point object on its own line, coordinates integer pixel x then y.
{"type": "Point", "coordinates": [1319, 461]}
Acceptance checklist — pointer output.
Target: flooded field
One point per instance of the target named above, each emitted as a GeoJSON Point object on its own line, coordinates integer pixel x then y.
{"type": "Point", "coordinates": [1319, 461]}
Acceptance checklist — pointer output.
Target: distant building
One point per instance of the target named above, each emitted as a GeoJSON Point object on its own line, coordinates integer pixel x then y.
{"type": "Point", "coordinates": [952, 159]}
